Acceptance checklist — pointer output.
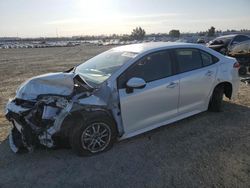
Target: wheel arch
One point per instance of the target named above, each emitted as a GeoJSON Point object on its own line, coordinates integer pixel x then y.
{"type": "Point", "coordinates": [228, 88]}
{"type": "Point", "coordinates": [83, 115]}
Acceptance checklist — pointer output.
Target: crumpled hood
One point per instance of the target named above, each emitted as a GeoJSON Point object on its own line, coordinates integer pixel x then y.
{"type": "Point", "coordinates": [52, 83]}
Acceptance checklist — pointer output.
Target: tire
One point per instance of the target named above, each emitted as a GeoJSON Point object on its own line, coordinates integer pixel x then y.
{"type": "Point", "coordinates": [85, 136]}
{"type": "Point", "coordinates": [216, 100]}
{"type": "Point", "coordinates": [242, 70]}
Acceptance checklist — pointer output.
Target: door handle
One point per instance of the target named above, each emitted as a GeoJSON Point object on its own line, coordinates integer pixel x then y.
{"type": "Point", "coordinates": [209, 73]}
{"type": "Point", "coordinates": [172, 85]}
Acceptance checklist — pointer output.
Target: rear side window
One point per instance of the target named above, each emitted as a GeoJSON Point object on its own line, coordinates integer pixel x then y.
{"type": "Point", "coordinates": [207, 59]}
{"type": "Point", "coordinates": [151, 67]}
{"type": "Point", "coordinates": [188, 59]}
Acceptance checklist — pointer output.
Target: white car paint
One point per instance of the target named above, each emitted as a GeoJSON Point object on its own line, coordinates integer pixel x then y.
{"type": "Point", "coordinates": [157, 105]}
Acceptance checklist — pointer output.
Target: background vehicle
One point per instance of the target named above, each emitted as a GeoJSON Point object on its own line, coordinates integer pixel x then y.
{"type": "Point", "coordinates": [241, 52]}
{"type": "Point", "coordinates": [201, 41]}
{"type": "Point", "coordinates": [224, 43]}
{"type": "Point", "coordinates": [119, 94]}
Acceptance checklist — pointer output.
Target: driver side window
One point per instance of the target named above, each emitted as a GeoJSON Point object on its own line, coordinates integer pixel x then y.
{"type": "Point", "coordinates": [150, 68]}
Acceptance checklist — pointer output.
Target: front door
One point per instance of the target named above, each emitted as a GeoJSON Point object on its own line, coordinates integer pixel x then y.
{"type": "Point", "coordinates": [147, 108]}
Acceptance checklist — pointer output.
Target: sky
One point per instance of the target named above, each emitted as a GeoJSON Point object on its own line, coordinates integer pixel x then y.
{"type": "Point", "coordinates": [51, 18]}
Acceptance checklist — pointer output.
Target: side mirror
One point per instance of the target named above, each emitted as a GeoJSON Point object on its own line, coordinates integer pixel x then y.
{"type": "Point", "coordinates": [135, 83]}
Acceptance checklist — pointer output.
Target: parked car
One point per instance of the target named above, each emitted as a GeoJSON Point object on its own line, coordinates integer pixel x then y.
{"type": "Point", "coordinates": [118, 94]}
{"type": "Point", "coordinates": [241, 52]}
{"type": "Point", "coordinates": [223, 43]}
{"type": "Point", "coordinates": [201, 41]}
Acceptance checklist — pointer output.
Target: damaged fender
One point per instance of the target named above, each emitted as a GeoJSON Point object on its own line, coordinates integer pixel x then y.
{"type": "Point", "coordinates": [44, 102]}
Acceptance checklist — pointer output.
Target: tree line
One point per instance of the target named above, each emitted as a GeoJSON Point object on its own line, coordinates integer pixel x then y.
{"type": "Point", "coordinates": [139, 33]}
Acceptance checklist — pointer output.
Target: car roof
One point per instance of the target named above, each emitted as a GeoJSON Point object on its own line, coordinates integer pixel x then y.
{"type": "Point", "coordinates": [150, 46]}
{"type": "Point", "coordinates": [230, 36]}
{"type": "Point", "coordinates": [227, 36]}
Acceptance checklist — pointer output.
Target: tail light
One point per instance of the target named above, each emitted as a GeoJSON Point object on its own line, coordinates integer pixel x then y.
{"type": "Point", "coordinates": [237, 65]}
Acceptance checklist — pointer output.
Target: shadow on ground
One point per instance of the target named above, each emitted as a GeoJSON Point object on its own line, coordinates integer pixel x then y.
{"type": "Point", "coordinates": [206, 150]}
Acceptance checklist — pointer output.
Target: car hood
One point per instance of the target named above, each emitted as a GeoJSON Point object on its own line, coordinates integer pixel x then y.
{"type": "Point", "coordinates": [52, 83]}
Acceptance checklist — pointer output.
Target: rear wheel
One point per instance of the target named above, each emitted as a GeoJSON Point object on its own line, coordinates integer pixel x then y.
{"type": "Point", "coordinates": [243, 70]}
{"type": "Point", "coordinates": [96, 134]}
{"type": "Point", "coordinates": [216, 100]}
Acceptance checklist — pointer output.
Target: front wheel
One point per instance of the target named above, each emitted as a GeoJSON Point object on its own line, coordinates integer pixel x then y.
{"type": "Point", "coordinates": [96, 134]}
{"type": "Point", "coordinates": [216, 100]}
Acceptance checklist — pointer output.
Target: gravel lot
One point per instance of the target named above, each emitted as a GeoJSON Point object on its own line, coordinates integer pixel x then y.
{"type": "Point", "coordinates": [206, 150]}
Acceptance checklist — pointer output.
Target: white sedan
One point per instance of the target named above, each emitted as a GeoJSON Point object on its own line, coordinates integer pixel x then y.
{"type": "Point", "coordinates": [118, 94]}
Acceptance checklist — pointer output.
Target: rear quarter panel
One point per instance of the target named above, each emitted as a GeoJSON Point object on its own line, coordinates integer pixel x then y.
{"type": "Point", "coordinates": [227, 73]}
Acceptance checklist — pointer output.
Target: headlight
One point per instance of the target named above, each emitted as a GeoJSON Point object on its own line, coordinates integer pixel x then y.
{"type": "Point", "coordinates": [58, 101]}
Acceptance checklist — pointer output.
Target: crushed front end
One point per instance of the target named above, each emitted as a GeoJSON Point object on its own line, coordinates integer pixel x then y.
{"type": "Point", "coordinates": [36, 117]}
{"type": "Point", "coordinates": [31, 121]}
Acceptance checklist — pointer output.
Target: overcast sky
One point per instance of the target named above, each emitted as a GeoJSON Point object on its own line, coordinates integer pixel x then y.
{"type": "Point", "coordinates": [35, 18]}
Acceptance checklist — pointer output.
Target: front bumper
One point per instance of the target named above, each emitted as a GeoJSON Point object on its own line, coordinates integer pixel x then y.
{"type": "Point", "coordinates": [21, 136]}
{"type": "Point", "coordinates": [32, 126]}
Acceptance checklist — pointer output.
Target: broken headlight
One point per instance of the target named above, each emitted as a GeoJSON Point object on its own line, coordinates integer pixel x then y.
{"type": "Point", "coordinates": [46, 110]}
{"type": "Point", "coordinates": [56, 101]}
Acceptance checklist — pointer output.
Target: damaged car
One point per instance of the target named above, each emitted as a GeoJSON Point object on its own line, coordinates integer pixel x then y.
{"type": "Point", "coordinates": [224, 43]}
{"type": "Point", "coordinates": [117, 94]}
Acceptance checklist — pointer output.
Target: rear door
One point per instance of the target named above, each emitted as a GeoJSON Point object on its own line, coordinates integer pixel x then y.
{"type": "Point", "coordinates": [147, 108]}
{"type": "Point", "coordinates": [197, 73]}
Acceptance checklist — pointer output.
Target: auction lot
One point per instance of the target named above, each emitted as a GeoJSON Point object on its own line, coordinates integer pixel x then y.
{"type": "Point", "coordinates": [206, 150]}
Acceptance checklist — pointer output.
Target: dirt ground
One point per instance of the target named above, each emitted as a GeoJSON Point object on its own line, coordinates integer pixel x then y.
{"type": "Point", "coordinates": [206, 150]}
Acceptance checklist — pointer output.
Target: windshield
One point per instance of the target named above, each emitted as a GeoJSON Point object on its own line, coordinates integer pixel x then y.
{"type": "Point", "coordinates": [101, 67]}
